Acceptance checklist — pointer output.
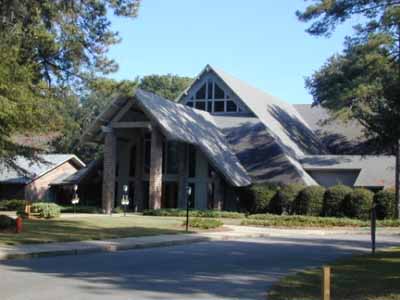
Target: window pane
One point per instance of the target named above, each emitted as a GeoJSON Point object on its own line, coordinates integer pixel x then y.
{"type": "Point", "coordinates": [201, 105]}
{"type": "Point", "coordinates": [132, 162]}
{"type": "Point", "coordinates": [189, 104]}
{"type": "Point", "coordinates": [201, 93]}
{"type": "Point", "coordinates": [172, 159]}
{"type": "Point", "coordinates": [219, 93]}
{"type": "Point", "coordinates": [219, 106]}
{"type": "Point", "coordinates": [147, 147]}
{"type": "Point", "coordinates": [192, 161]}
{"type": "Point", "coordinates": [209, 89]}
{"type": "Point", "coordinates": [209, 106]}
{"type": "Point", "coordinates": [231, 106]}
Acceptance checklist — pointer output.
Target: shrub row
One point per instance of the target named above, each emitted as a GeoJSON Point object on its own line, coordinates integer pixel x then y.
{"type": "Point", "coordinates": [336, 201]}
{"type": "Point", "coordinates": [311, 221]}
{"type": "Point", "coordinates": [204, 223]}
{"type": "Point", "coordinates": [176, 212]}
{"type": "Point", "coordinates": [81, 209]}
{"type": "Point", "coordinates": [13, 204]}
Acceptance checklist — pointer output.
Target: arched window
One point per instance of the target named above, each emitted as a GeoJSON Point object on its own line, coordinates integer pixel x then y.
{"type": "Point", "coordinates": [211, 97]}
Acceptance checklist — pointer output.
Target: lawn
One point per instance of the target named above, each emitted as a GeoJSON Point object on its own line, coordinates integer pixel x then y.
{"type": "Point", "coordinates": [91, 228]}
{"type": "Point", "coordinates": [366, 277]}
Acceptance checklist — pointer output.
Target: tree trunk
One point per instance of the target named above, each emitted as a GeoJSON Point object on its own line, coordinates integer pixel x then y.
{"type": "Point", "coordinates": [397, 182]}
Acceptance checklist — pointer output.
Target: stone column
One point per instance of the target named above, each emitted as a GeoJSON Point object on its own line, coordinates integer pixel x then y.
{"type": "Point", "coordinates": [109, 168]}
{"type": "Point", "coordinates": [155, 184]}
{"type": "Point", "coordinates": [182, 173]}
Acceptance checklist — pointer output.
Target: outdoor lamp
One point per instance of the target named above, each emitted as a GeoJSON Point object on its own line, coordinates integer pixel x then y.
{"type": "Point", "coordinates": [125, 199]}
{"type": "Point", "coordinates": [188, 193]}
{"type": "Point", "coordinates": [75, 198]}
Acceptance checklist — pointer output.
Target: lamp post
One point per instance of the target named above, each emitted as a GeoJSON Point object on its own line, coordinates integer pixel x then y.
{"type": "Point", "coordinates": [188, 193]}
{"type": "Point", "coordinates": [125, 199]}
{"type": "Point", "coordinates": [75, 198]}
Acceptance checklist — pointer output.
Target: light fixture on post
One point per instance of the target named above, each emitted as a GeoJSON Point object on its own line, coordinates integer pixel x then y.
{"type": "Point", "coordinates": [188, 193]}
{"type": "Point", "coordinates": [75, 198]}
{"type": "Point", "coordinates": [125, 198]}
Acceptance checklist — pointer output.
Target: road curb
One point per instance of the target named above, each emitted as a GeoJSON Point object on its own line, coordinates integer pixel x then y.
{"type": "Point", "coordinates": [116, 248]}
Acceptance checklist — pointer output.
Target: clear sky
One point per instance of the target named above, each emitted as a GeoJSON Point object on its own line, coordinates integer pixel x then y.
{"type": "Point", "coordinates": [258, 41]}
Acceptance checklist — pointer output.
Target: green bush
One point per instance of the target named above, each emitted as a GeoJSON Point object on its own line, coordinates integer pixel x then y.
{"type": "Point", "coordinates": [385, 202]}
{"type": "Point", "coordinates": [358, 204]}
{"type": "Point", "coordinates": [282, 202]}
{"type": "Point", "coordinates": [309, 201]}
{"type": "Point", "coordinates": [261, 197]}
{"type": "Point", "coordinates": [81, 209]}
{"type": "Point", "coordinates": [45, 210]}
{"type": "Point", "coordinates": [175, 212]}
{"type": "Point", "coordinates": [204, 223]}
{"type": "Point", "coordinates": [6, 222]}
{"type": "Point", "coordinates": [333, 200]}
{"type": "Point", "coordinates": [13, 204]}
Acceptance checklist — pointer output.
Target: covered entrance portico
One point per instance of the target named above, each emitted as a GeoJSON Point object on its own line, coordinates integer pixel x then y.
{"type": "Point", "coordinates": [155, 147]}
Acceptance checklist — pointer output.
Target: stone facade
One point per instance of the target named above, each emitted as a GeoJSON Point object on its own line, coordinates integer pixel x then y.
{"type": "Point", "coordinates": [109, 170]}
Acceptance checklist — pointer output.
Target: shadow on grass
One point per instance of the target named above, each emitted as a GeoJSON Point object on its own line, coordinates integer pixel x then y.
{"type": "Point", "coordinates": [242, 269]}
{"type": "Point", "coordinates": [47, 231]}
{"type": "Point", "coordinates": [361, 277]}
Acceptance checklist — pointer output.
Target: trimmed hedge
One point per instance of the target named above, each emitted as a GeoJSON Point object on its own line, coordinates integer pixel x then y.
{"type": "Point", "coordinates": [282, 202]}
{"type": "Point", "coordinates": [204, 223]}
{"type": "Point", "coordinates": [308, 221]}
{"type": "Point", "coordinates": [81, 209]}
{"type": "Point", "coordinates": [13, 204]}
{"type": "Point", "coordinates": [333, 200]}
{"type": "Point", "coordinates": [175, 212]}
{"type": "Point", "coordinates": [358, 204]}
{"type": "Point", "coordinates": [385, 202]}
{"type": "Point", "coordinates": [6, 222]}
{"type": "Point", "coordinates": [44, 210]}
{"type": "Point", "coordinates": [309, 201]}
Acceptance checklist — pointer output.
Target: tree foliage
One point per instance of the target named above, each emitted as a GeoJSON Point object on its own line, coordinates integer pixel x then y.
{"type": "Point", "coordinates": [49, 51]}
{"type": "Point", "coordinates": [168, 86]}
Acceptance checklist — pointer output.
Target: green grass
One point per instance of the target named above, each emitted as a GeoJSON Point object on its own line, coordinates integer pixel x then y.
{"type": "Point", "coordinates": [91, 228]}
{"type": "Point", "coordinates": [177, 212]}
{"type": "Point", "coordinates": [365, 277]}
{"type": "Point", "coordinates": [308, 221]}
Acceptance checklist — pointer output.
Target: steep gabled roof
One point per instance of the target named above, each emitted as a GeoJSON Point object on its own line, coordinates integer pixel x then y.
{"type": "Point", "coordinates": [283, 127]}
{"type": "Point", "coordinates": [26, 170]}
{"type": "Point", "coordinates": [181, 123]}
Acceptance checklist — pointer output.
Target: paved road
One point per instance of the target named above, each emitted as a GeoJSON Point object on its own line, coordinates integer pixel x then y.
{"type": "Point", "coordinates": [240, 269]}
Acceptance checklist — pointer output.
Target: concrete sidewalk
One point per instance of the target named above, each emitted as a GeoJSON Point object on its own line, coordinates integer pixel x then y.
{"type": "Point", "coordinates": [231, 232]}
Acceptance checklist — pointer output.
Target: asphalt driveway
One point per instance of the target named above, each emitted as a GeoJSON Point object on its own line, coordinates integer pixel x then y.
{"type": "Point", "coordinates": [240, 269]}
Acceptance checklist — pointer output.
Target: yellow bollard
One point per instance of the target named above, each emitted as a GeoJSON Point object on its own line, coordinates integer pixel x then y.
{"type": "Point", "coordinates": [326, 283]}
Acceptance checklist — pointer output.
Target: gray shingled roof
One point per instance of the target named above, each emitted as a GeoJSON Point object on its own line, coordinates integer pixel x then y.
{"type": "Point", "coordinates": [339, 137]}
{"type": "Point", "coordinates": [184, 124]}
{"type": "Point", "coordinates": [287, 132]}
{"type": "Point", "coordinates": [375, 171]}
{"type": "Point", "coordinates": [258, 152]}
{"type": "Point", "coordinates": [26, 170]}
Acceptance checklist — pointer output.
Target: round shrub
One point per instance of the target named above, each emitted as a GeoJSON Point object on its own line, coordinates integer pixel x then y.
{"type": "Point", "coordinates": [262, 195]}
{"type": "Point", "coordinates": [309, 201]}
{"type": "Point", "coordinates": [358, 204]}
{"type": "Point", "coordinates": [282, 202]}
{"type": "Point", "coordinates": [385, 202]}
{"type": "Point", "coordinates": [46, 210]}
{"type": "Point", "coordinates": [6, 222]}
{"type": "Point", "coordinates": [333, 199]}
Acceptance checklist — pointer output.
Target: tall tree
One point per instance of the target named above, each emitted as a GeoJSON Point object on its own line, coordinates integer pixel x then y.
{"type": "Point", "coordinates": [364, 81]}
{"type": "Point", "coordinates": [168, 86]}
{"type": "Point", "coordinates": [48, 50]}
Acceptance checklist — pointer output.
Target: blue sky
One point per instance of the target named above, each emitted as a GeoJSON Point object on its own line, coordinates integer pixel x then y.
{"type": "Point", "coordinates": [258, 41]}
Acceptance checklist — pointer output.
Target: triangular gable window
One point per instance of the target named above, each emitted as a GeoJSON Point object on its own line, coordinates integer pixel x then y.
{"type": "Point", "coordinates": [213, 98]}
